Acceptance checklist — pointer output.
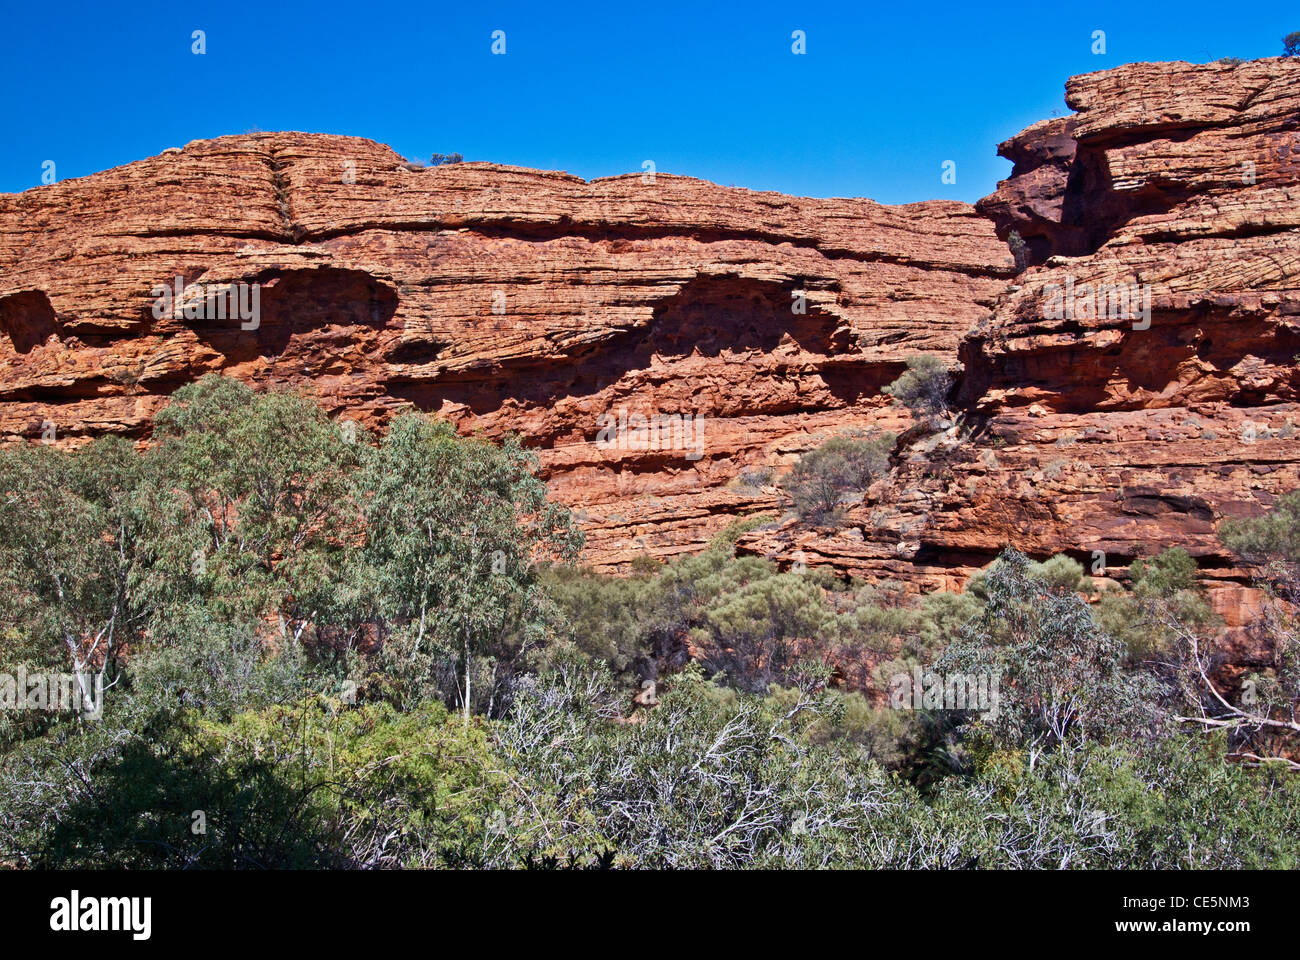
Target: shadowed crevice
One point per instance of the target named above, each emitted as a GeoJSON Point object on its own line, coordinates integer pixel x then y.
{"type": "Point", "coordinates": [711, 316]}
{"type": "Point", "coordinates": [28, 320]}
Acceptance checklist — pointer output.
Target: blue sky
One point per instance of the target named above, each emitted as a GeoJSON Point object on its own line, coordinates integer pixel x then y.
{"type": "Point", "coordinates": [885, 93]}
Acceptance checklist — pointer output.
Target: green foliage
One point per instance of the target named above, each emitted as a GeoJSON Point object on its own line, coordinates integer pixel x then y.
{"type": "Point", "coordinates": [256, 504]}
{"type": "Point", "coordinates": [704, 781]}
{"type": "Point", "coordinates": [75, 561]}
{"type": "Point", "coordinates": [924, 387]}
{"type": "Point", "coordinates": [1165, 598]}
{"type": "Point", "coordinates": [1291, 44]}
{"type": "Point", "coordinates": [453, 530]}
{"type": "Point", "coordinates": [1275, 536]}
{"type": "Point", "coordinates": [1059, 573]}
{"type": "Point", "coordinates": [1165, 574]}
{"type": "Point", "coordinates": [756, 634]}
{"type": "Point", "coordinates": [1061, 677]}
{"type": "Point", "coordinates": [644, 563]}
{"type": "Point", "coordinates": [1262, 720]}
{"type": "Point", "coordinates": [288, 615]}
{"type": "Point", "coordinates": [605, 618]}
{"type": "Point", "coordinates": [726, 538]}
{"type": "Point", "coordinates": [256, 555]}
{"type": "Point", "coordinates": [717, 780]}
{"type": "Point", "coordinates": [896, 739]}
{"type": "Point", "coordinates": [290, 786]}
{"type": "Point", "coordinates": [746, 621]}
{"type": "Point", "coordinates": [1170, 803]}
{"type": "Point", "coordinates": [1017, 245]}
{"type": "Point", "coordinates": [842, 465]}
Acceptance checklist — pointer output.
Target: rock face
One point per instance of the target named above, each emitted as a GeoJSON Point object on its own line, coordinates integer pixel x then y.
{"type": "Point", "coordinates": [752, 325]}
{"type": "Point", "coordinates": [1133, 385]}
{"type": "Point", "coordinates": [1138, 382]}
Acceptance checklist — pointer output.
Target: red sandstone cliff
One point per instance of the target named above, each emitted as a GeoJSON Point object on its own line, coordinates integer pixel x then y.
{"type": "Point", "coordinates": [505, 299]}
{"type": "Point", "coordinates": [1100, 433]}
{"type": "Point", "coordinates": [512, 299]}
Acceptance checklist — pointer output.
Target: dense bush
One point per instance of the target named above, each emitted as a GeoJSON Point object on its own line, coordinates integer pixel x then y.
{"type": "Point", "coordinates": [1260, 716]}
{"type": "Point", "coordinates": [326, 651]}
{"type": "Point", "coordinates": [1062, 678]}
{"type": "Point", "coordinates": [717, 780]}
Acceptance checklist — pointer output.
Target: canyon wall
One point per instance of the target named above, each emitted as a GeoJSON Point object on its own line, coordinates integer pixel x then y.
{"type": "Point", "coordinates": [500, 298]}
{"type": "Point", "coordinates": [1137, 382]}
{"type": "Point", "coordinates": [512, 299]}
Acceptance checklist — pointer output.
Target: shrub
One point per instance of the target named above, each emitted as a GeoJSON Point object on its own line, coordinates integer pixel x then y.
{"type": "Point", "coordinates": [435, 160]}
{"type": "Point", "coordinates": [606, 618]}
{"type": "Point", "coordinates": [1275, 536]}
{"type": "Point", "coordinates": [708, 780]}
{"type": "Point", "coordinates": [295, 785]}
{"type": "Point", "coordinates": [1291, 44]}
{"type": "Point", "coordinates": [1164, 593]}
{"type": "Point", "coordinates": [1165, 574]}
{"type": "Point", "coordinates": [1018, 246]}
{"type": "Point", "coordinates": [721, 780]}
{"type": "Point", "coordinates": [1059, 573]}
{"type": "Point", "coordinates": [1260, 716]}
{"type": "Point", "coordinates": [252, 563]}
{"type": "Point", "coordinates": [755, 477]}
{"type": "Point", "coordinates": [842, 465]}
{"type": "Point", "coordinates": [756, 635]}
{"type": "Point", "coordinates": [1062, 677]}
{"type": "Point", "coordinates": [924, 387]}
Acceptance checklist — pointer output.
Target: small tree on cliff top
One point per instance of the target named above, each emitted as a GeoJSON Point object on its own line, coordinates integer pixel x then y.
{"type": "Point", "coordinates": [1291, 44]}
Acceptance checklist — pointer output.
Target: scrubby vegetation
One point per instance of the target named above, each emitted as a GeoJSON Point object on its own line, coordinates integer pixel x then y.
{"type": "Point", "coordinates": [321, 649]}
{"type": "Point", "coordinates": [923, 387]}
{"type": "Point", "coordinates": [841, 466]}
{"type": "Point", "coordinates": [435, 160]}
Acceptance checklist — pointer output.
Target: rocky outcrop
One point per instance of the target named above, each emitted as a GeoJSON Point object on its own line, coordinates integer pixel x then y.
{"type": "Point", "coordinates": [501, 298]}
{"type": "Point", "coordinates": [1131, 387]}
{"type": "Point", "coordinates": [1138, 382]}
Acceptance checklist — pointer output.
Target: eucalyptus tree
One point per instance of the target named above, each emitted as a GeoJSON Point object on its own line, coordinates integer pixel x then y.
{"type": "Point", "coordinates": [73, 554]}
{"type": "Point", "coordinates": [454, 530]}
{"type": "Point", "coordinates": [257, 494]}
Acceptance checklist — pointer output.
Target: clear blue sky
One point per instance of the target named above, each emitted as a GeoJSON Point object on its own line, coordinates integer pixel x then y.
{"type": "Point", "coordinates": [884, 95]}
